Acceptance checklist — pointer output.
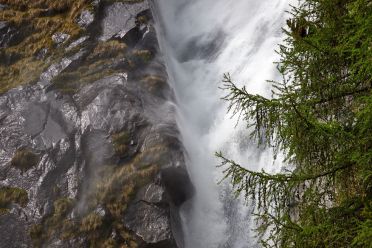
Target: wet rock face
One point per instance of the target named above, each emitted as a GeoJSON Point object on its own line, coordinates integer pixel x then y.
{"type": "Point", "coordinates": [121, 18]}
{"type": "Point", "coordinates": [7, 34]}
{"type": "Point", "coordinates": [16, 236]}
{"type": "Point", "coordinates": [109, 167]}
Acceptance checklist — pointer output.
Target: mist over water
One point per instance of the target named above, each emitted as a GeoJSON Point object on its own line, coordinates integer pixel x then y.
{"type": "Point", "coordinates": [201, 40]}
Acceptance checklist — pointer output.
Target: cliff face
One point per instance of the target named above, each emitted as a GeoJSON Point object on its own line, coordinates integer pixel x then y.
{"type": "Point", "coordinates": [90, 154]}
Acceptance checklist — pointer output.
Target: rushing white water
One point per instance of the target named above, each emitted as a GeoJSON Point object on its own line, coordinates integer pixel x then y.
{"type": "Point", "coordinates": [201, 40]}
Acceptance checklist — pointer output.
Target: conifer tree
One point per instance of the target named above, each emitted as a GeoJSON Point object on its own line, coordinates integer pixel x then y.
{"type": "Point", "coordinates": [320, 117]}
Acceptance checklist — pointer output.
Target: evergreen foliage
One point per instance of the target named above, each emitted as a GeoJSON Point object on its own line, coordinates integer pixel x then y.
{"type": "Point", "coordinates": [320, 117]}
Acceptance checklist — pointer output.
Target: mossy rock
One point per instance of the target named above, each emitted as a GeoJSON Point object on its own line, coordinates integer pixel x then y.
{"type": "Point", "coordinates": [24, 159]}
{"type": "Point", "coordinates": [145, 55]}
{"type": "Point", "coordinates": [121, 141]}
{"type": "Point", "coordinates": [104, 59]}
{"type": "Point", "coordinates": [36, 231]}
{"type": "Point", "coordinates": [154, 83]}
{"type": "Point", "coordinates": [113, 193]}
{"type": "Point", "coordinates": [9, 195]}
{"type": "Point", "coordinates": [62, 206]}
{"type": "Point", "coordinates": [36, 21]}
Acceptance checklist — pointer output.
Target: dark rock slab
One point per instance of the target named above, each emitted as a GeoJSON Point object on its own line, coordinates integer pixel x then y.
{"type": "Point", "coordinates": [7, 34]}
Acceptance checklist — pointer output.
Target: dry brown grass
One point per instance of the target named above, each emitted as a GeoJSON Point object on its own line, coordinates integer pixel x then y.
{"type": "Point", "coordinates": [30, 18]}
{"type": "Point", "coordinates": [153, 83]}
{"type": "Point", "coordinates": [108, 49]}
{"type": "Point", "coordinates": [121, 141]}
{"type": "Point", "coordinates": [94, 67]}
{"type": "Point", "coordinates": [143, 55]}
{"type": "Point", "coordinates": [91, 222]}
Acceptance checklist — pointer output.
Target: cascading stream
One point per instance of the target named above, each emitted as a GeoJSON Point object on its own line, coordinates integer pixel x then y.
{"type": "Point", "coordinates": [201, 40]}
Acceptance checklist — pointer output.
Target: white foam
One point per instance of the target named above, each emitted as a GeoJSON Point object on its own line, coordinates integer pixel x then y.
{"type": "Point", "coordinates": [243, 35]}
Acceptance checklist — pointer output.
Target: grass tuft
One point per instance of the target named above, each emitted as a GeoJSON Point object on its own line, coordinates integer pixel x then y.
{"type": "Point", "coordinates": [9, 195]}
{"type": "Point", "coordinates": [24, 159]}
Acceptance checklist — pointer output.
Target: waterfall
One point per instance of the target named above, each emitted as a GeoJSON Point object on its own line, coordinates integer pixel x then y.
{"type": "Point", "coordinates": [201, 40]}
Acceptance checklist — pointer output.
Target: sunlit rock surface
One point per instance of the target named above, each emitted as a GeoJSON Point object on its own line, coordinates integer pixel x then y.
{"type": "Point", "coordinates": [100, 121]}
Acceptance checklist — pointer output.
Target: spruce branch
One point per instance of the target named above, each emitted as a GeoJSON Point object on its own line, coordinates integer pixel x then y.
{"type": "Point", "coordinates": [274, 191]}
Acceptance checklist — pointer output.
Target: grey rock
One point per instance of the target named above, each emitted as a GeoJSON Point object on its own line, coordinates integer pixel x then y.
{"type": "Point", "coordinates": [36, 116]}
{"type": "Point", "coordinates": [110, 105]}
{"type": "Point", "coordinates": [95, 3]}
{"type": "Point", "coordinates": [60, 38]}
{"type": "Point", "coordinates": [54, 70]}
{"type": "Point", "coordinates": [77, 42]}
{"type": "Point", "coordinates": [42, 53]}
{"type": "Point", "coordinates": [120, 18]}
{"type": "Point", "coordinates": [57, 68]}
{"type": "Point", "coordinates": [3, 25]}
{"type": "Point", "coordinates": [150, 222]}
{"type": "Point", "coordinates": [150, 211]}
{"type": "Point", "coordinates": [16, 233]}
{"type": "Point", "coordinates": [100, 211]}
{"type": "Point", "coordinates": [85, 19]}
{"type": "Point", "coordinates": [153, 193]}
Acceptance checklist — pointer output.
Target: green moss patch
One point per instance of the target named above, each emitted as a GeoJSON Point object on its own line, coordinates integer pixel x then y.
{"type": "Point", "coordinates": [9, 195]}
{"type": "Point", "coordinates": [24, 159]}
